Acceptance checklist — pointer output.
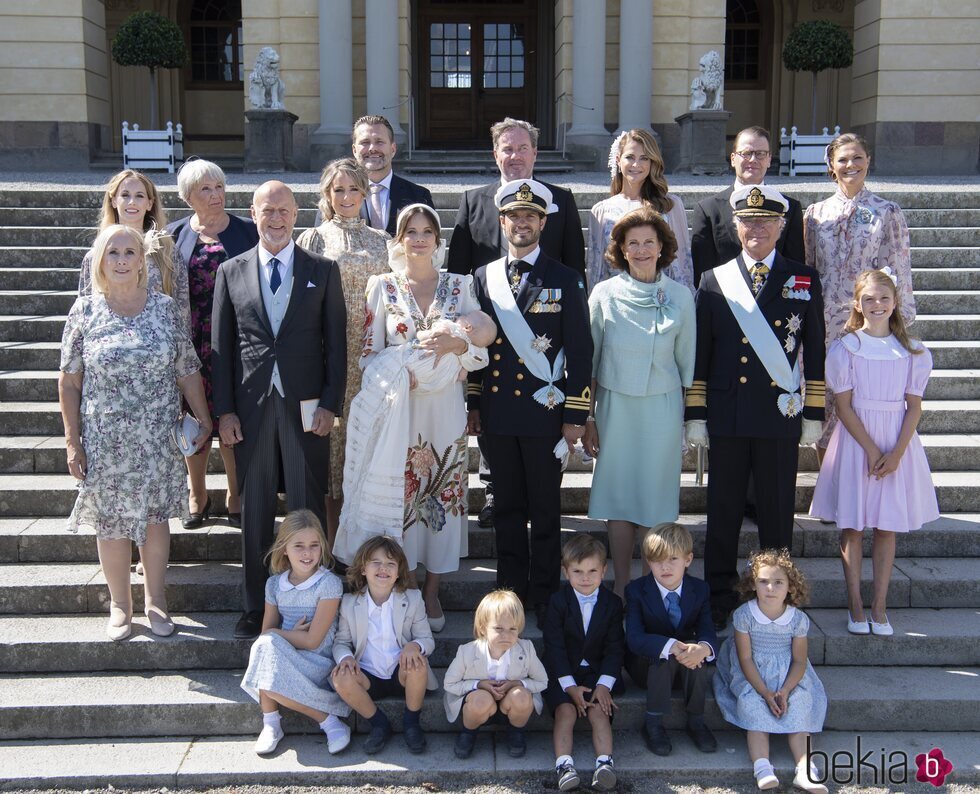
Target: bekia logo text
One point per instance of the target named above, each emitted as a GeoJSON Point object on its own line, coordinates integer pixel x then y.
{"type": "Point", "coordinates": [878, 766]}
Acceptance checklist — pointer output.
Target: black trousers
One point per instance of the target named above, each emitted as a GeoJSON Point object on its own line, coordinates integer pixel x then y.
{"type": "Point", "coordinates": [278, 444]}
{"type": "Point", "coordinates": [527, 488]}
{"type": "Point", "coordinates": [658, 678]}
{"type": "Point", "coordinates": [484, 471]}
{"type": "Point", "coordinates": [772, 462]}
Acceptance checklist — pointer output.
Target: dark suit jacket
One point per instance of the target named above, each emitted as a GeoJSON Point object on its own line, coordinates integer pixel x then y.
{"type": "Point", "coordinates": [311, 347]}
{"type": "Point", "coordinates": [403, 192]}
{"type": "Point", "coordinates": [503, 390]}
{"type": "Point", "coordinates": [713, 239]}
{"type": "Point", "coordinates": [237, 238]}
{"type": "Point", "coordinates": [566, 644]}
{"type": "Point", "coordinates": [478, 239]}
{"type": "Point", "coordinates": [750, 409]}
{"type": "Point", "coordinates": [647, 625]}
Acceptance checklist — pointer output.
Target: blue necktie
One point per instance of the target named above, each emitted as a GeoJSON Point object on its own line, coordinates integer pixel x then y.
{"type": "Point", "coordinates": [673, 608]}
{"type": "Point", "coordinates": [276, 280]}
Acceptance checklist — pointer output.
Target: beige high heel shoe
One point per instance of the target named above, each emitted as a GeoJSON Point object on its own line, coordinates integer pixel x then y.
{"type": "Point", "coordinates": [120, 624]}
{"type": "Point", "coordinates": [160, 622]}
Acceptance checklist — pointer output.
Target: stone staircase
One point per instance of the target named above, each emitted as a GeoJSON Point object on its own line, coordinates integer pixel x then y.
{"type": "Point", "coordinates": [72, 702]}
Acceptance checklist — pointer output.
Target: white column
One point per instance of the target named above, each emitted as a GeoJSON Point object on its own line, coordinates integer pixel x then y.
{"type": "Point", "coordinates": [336, 80]}
{"type": "Point", "coordinates": [381, 38]}
{"type": "Point", "coordinates": [588, 72]}
{"type": "Point", "coordinates": [635, 64]}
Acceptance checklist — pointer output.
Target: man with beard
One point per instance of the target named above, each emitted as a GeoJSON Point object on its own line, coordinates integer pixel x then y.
{"type": "Point", "coordinates": [534, 394]}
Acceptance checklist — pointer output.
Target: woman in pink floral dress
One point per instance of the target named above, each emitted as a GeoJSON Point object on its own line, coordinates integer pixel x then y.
{"type": "Point", "coordinates": [400, 304]}
{"type": "Point", "coordinates": [852, 231]}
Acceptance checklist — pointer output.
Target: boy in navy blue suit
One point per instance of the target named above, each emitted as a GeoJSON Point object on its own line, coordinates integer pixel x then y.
{"type": "Point", "coordinates": [583, 656]}
{"type": "Point", "coordinates": [670, 634]}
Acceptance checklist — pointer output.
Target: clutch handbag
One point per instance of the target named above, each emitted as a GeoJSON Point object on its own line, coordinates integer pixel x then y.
{"type": "Point", "coordinates": [184, 431]}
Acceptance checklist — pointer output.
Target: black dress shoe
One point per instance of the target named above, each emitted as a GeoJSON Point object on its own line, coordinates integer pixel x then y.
{"type": "Point", "coordinates": [703, 739]}
{"type": "Point", "coordinates": [658, 742]}
{"type": "Point", "coordinates": [235, 520]}
{"type": "Point", "coordinates": [197, 520]}
{"type": "Point", "coordinates": [485, 519]}
{"type": "Point", "coordinates": [249, 626]}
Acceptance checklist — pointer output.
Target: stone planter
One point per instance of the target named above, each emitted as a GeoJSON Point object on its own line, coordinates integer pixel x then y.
{"type": "Point", "coordinates": [146, 150]}
{"type": "Point", "coordinates": [801, 155]}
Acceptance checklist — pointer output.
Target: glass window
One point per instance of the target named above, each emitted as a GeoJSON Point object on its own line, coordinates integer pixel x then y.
{"type": "Point", "coordinates": [449, 56]}
{"type": "Point", "coordinates": [215, 36]}
{"type": "Point", "coordinates": [743, 33]}
{"type": "Point", "coordinates": [504, 42]}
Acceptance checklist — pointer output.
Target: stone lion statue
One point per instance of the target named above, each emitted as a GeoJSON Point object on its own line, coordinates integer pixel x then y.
{"type": "Point", "coordinates": [706, 87]}
{"type": "Point", "coordinates": [265, 88]}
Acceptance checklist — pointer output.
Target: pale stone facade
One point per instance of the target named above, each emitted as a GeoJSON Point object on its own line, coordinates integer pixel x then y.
{"type": "Point", "coordinates": [914, 87]}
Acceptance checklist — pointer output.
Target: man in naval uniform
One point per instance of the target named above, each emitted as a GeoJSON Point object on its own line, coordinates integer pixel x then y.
{"type": "Point", "coordinates": [754, 315]}
{"type": "Point", "coordinates": [534, 397]}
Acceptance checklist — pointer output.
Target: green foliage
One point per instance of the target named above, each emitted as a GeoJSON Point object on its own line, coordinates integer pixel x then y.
{"type": "Point", "coordinates": [149, 39]}
{"type": "Point", "coordinates": [816, 45]}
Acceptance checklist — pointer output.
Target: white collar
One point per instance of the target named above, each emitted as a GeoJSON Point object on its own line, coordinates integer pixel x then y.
{"type": "Point", "coordinates": [503, 663]}
{"type": "Point", "coordinates": [373, 607]}
{"type": "Point", "coordinates": [663, 590]}
{"type": "Point", "coordinates": [874, 348]}
{"type": "Point", "coordinates": [285, 584]}
{"type": "Point", "coordinates": [581, 598]}
{"type": "Point", "coordinates": [285, 256]}
{"type": "Point", "coordinates": [739, 183]}
{"type": "Point", "coordinates": [385, 183]}
{"type": "Point", "coordinates": [750, 260]}
{"type": "Point", "coordinates": [504, 180]}
{"type": "Point", "coordinates": [782, 620]}
{"type": "Point", "coordinates": [530, 258]}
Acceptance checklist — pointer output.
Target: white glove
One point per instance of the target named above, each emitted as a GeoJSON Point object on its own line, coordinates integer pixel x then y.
{"type": "Point", "coordinates": [696, 432]}
{"type": "Point", "coordinates": [812, 430]}
{"type": "Point", "coordinates": [562, 452]}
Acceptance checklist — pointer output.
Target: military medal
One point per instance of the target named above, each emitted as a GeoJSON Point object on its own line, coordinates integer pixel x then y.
{"type": "Point", "coordinates": [789, 344]}
{"type": "Point", "coordinates": [790, 404]}
{"type": "Point", "coordinates": [797, 288]}
{"type": "Point", "coordinates": [794, 322]}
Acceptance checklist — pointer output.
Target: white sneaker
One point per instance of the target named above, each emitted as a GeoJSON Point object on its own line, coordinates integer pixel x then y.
{"type": "Point", "coordinates": [338, 735]}
{"type": "Point", "coordinates": [805, 777]}
{"type": "Point", "coordinates": [766, 778]}
{"type": "Point", "coordinates": [268, 740]}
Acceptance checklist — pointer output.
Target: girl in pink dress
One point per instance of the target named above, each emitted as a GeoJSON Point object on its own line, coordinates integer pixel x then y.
{"type": "Point", "coordinates": [875, 473]}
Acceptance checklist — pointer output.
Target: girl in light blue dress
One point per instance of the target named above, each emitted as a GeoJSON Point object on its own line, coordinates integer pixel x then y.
{"type": "Point", "coordinates": [764, 682]}
{"type": "Point", "coordinates": [290, 663]}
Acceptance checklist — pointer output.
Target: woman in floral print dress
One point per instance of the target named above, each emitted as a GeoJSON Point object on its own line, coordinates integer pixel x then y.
{"type": "Point", "coordinates": [399, 305]}
{"type": "Point", "coordinates": [852, 231]}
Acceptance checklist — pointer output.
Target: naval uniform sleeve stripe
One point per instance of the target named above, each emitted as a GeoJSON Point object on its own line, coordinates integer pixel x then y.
{"type": "Point", "coordinates": [694, 401]}
{"type": "Point", "coordinates": [814, 401]}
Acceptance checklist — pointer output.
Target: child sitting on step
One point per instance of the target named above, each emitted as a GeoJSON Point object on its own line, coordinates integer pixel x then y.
{"type": "Point", "coordinates": [497, 676]}
{"type": "Point", "coordinates": [290, 662]}
{"type": "Point", "coordinates": [875, 472]}
{"type": "Point", "coordinates": [383, 642]}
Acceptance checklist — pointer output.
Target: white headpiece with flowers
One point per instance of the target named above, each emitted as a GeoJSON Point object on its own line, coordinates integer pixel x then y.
{"type": "Point", "coordinates": [613, 161]}
{"type": "Point", "coordinates": [397, 258]}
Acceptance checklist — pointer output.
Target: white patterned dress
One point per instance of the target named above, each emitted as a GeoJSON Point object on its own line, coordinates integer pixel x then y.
{"type": "Point", "coordinates": [276, 665]}
{"type": "Point", "coordinates": [130, 400]}
{"type": "Point", "coordinates": [435, 525]}
{"type": "Point", "coordinates": [603, 217]}
{"type": "Point", "coordinates": [843, 238]}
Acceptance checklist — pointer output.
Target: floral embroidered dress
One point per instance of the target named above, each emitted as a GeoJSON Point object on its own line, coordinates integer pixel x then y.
{"type": "Point", "coordinates": [130, 400]}
{"type": "Point", "coordinates": [603, 217]}
{"type": "Point", "coordinates": [843, 238]}
{"type": "Point", "coordinates": [435, 523]}
{"type": "Point", "coordinates": [360, 252]}
{"type": "Point", "coordinates": [201, 273]}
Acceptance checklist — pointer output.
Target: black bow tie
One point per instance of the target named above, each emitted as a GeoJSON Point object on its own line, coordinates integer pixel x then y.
{"type": "Point", "coordinates": [521, 266]}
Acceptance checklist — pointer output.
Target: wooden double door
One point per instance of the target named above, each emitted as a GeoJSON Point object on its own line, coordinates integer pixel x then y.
{"type": "Point", "coordinates": [477, 64]}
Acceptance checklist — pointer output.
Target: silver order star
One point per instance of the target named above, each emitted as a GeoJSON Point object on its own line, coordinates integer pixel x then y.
{"type": "Point", "coordinates": [541, 343]}
{"type": "Point", "coordinates": [794, 322]}
{"type": "Point", "coordinates": [790, 343]}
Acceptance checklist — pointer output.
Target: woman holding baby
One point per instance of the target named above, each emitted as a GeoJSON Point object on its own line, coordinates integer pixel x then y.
{"type": "Point", "coordinates": [420, 335]}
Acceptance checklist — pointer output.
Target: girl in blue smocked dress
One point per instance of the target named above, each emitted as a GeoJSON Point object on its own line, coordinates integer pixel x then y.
{"type": "Point", "coordinates": [290, 662]}
{"type": "Point", "coordinates": [765, 683]}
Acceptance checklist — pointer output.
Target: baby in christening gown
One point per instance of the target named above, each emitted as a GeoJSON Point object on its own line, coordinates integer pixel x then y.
{"type": "Point", "coordinates": [378, 427]}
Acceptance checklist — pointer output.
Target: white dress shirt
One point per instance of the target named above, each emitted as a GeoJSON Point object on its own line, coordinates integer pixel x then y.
{"type": "Point", "coordinates": [285, 257]}
{"type": "Point", "coordinates": [665, 653]}
{"type": "Point", "coordinates": [381, 651]}
{"type": "Point", "coordinates": [530, 258]}
{"type": "Point", "coordinates": [586, 607]}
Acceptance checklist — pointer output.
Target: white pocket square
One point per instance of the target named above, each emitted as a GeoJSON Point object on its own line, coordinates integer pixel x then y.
{"type": "Point", "coordinates": [310, 284]}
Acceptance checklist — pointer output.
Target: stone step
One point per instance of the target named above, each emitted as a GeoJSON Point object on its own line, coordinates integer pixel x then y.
{"type": "Point", "coordinates": [302, 764]}
{"type": "Point", "coordinates": [950, 353]}
{"type": "Point", "coordinates": [60, 588]}
{"type": "Point", "coordinates": [39, 278]}
{"type": "Point", "coordinates": [941, 302]}
{"type": "Point", "coordinates": [938, 278]}
{"type": "Point", "coordinates": [953, 236]}
{"type": "Point", "coordinates": [942, 256]}
{"type": "Point", "coordinates": [209, 702]}
{"type": "Point", "coordinates": [927, 327]}
{"type": "Point", "coordinates": [77, 643]}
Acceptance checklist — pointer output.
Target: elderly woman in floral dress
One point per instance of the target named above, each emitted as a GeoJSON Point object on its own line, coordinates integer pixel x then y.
{"type": "Point", "coordinates": [852, 231]}
{"type": "Point", "coordinates": [400, 304]}
{"type": "Point", "coordinates": [360, 252]}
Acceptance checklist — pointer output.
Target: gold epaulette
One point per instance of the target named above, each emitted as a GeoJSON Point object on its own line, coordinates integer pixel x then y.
{"type": "Point", "coordinates": [816, 394]}
{"type": "Point", "coordinates": [697, 395]}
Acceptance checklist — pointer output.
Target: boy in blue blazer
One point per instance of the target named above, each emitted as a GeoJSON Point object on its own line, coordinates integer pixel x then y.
{"type": "Point", "coordinates": [670, 634]}
{"type": "Point", "coordinates": [583, 656]}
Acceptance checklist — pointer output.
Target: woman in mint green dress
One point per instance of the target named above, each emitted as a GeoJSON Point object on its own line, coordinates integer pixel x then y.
{"type": "Point", "coordinates": [644, 337]}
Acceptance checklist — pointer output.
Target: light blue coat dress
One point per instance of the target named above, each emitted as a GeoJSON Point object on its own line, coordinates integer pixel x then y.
{"type": "Point", "coordinates": [644, 338]}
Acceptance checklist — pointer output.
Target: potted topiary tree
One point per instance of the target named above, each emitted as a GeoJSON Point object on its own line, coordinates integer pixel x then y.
{"type": "Point", "coordinates": [814, 46]}
{"type": "Point", "coordinates": [151, 40]}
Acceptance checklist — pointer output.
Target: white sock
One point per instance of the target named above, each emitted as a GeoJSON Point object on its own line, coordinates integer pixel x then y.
{"type": "Point", "coordinates": [273, 718]}
{"type": "Point", "coordinates": [762, 767]}
{"type": "Point", "coordinates": [564, 759]}
{"type": "Point", "coordinates": [333, 726]}
{"type": "Point", "coordinates": [603, 759]}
